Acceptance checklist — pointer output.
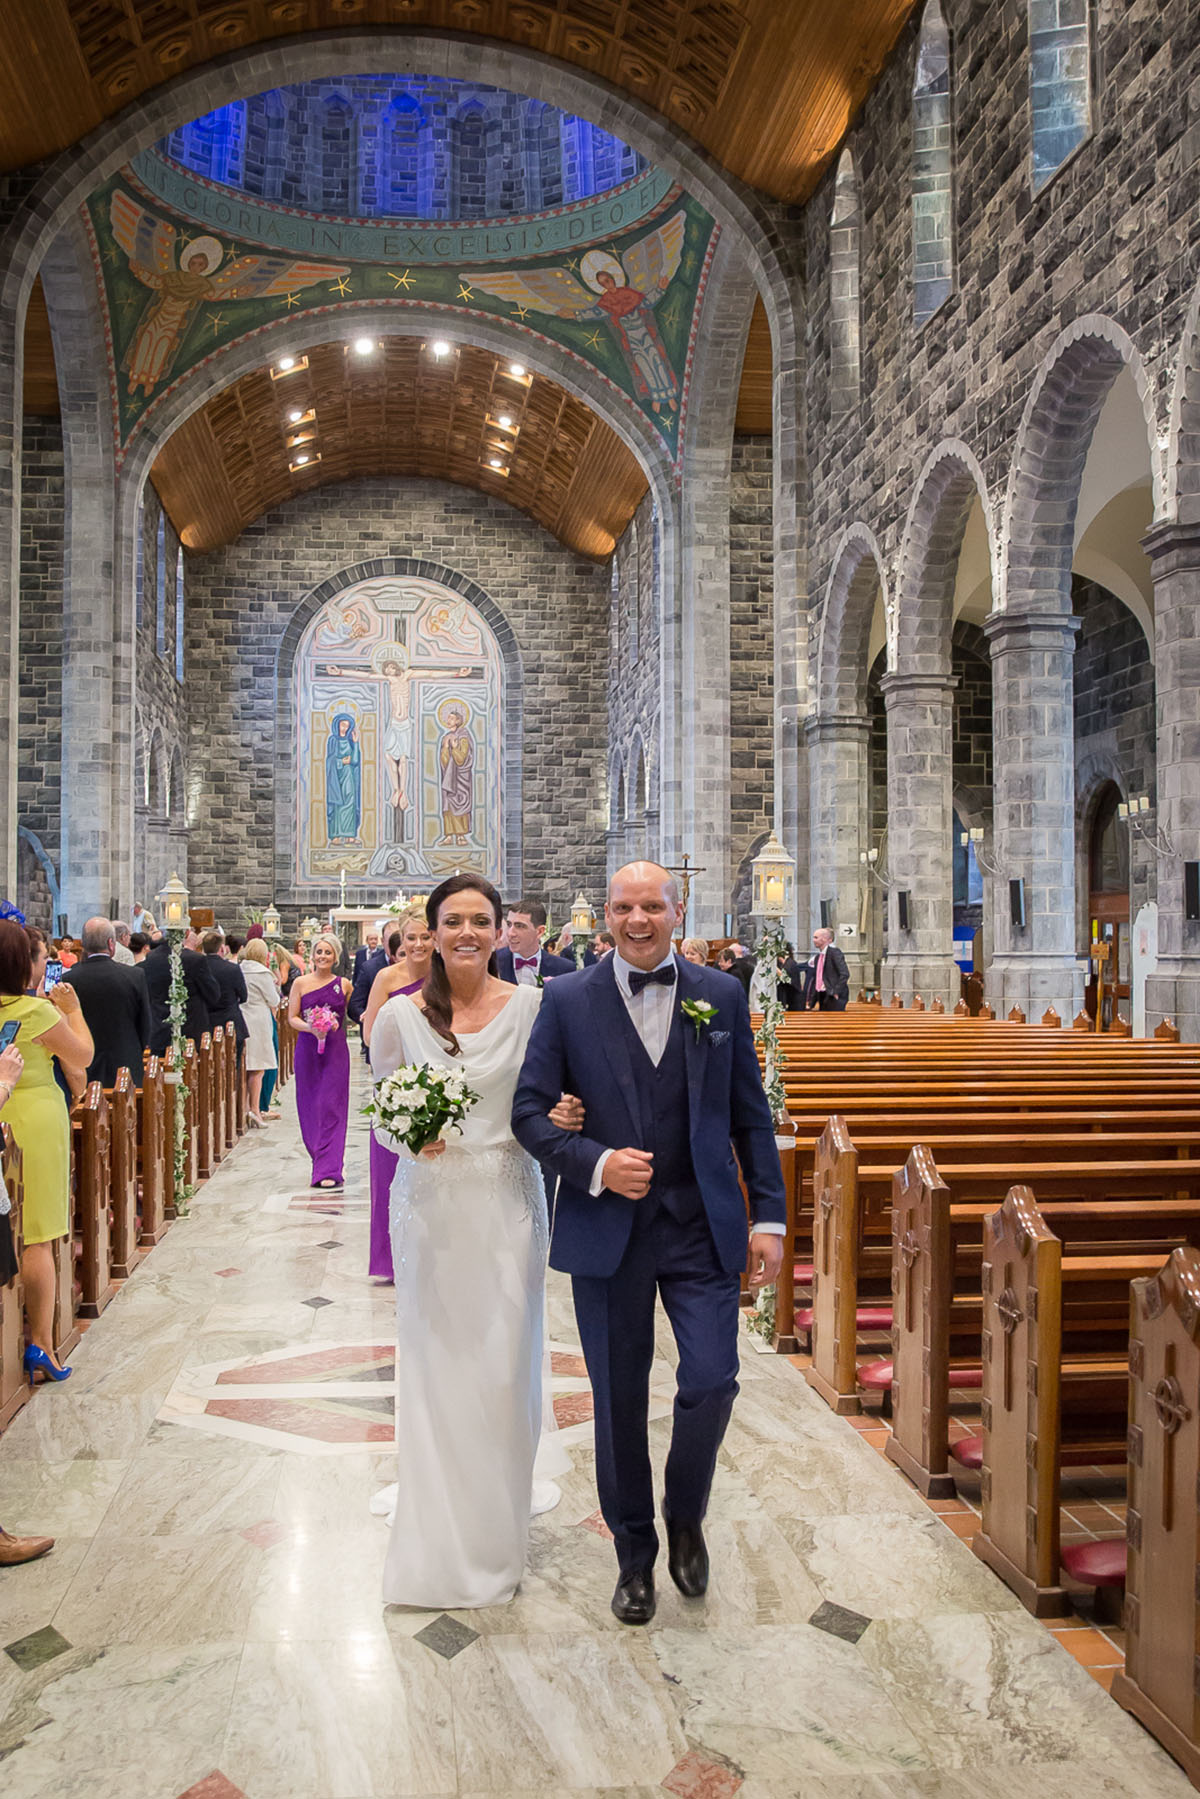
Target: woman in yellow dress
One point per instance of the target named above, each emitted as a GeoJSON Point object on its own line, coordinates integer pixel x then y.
{"type": "Point", "coordinates": [38, 1118]}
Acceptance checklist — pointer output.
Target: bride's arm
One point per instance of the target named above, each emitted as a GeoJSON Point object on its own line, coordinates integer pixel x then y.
{"type": "Point", "coordinates": [387, 1041]}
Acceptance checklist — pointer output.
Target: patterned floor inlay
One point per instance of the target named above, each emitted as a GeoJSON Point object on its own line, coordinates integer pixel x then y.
{"type": "Point", "coordinates": [39, 1647]}
{"type": "Point", "coordinates": [447, 1637]}
{"type": "Point", "coordinates": [213, 1786]}
{"type": "Point", "coordinates": [696, 1778]}
{"type": "Point", "coordinates": [839, 1622]}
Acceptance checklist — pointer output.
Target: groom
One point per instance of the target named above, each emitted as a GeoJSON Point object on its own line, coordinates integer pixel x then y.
{"type": "Point", "coordinates": [649, 1204]}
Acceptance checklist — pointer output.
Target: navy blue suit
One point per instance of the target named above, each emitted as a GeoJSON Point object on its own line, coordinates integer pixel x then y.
{"type": "Point", "coordinates": [549, 967]}
{"type": "Point", "coordinates": [686, 1241]}
{"type": "Point", "coordinates": [364, 975]}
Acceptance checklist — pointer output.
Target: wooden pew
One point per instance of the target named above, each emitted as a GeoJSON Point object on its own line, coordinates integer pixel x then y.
{"type": "Point", "coordinates": [1162, 1613]}
{"type": "Point", "coordinates": [14, 1387]}
{"type": "Point", "coordinates": [122, 1174]}
{"type": "Point", "coordinates": [153, 1150]}
{"type": "Point", "coordinates": [852, 1213]}
{"type": "Point", "coordinates": [217, 1089]}
{"type": "Point", "coordinates": [90, 1186]}
{"type": "Point", "coordinates": [936, 1255]}
{"type": "Point", "coordinates": [1055, 1378]}
{"type": "Point", "coordinates": [235, 1102]}
{"type": "Point", "coordinates": [201, 1058]}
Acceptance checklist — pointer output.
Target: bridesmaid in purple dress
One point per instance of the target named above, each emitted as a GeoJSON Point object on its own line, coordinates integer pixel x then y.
{"type": "Point", "coordinates": [322, 1075]}
{"type": "Point", "coordinates": [411, 949]}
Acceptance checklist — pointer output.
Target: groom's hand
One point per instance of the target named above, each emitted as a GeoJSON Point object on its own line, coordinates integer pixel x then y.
{"type": "Point", "coordinates": [766, 1258]}
{"type": "Point", "coordinates": [628, 1172]}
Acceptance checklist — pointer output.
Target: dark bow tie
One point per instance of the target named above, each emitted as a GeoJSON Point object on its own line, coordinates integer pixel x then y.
{"type": "Point", "coordinates": [662, 977]}
{"type": "Point", "coordinates": [525, 961]}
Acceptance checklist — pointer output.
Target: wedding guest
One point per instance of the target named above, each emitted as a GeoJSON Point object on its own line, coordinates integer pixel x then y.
{"type": "Point", "coordinates": [605, 944]}
{"type": "Point", "coordinates": [115, 1004]}
{"type": "Point", "coordinates": [285, 971]}
{"type": "Point", "coordinates": [231, 981]}
{"type": "Point", "coordinates": [732, 961]}
{"type": "Point", "coordinates": [526, 962]}
{"type": "Point", "coordinates": [123, 953]}
{"type": "Point", "coordinates": [565, 947]}
{"type": "Point", "coordinates": [13, 1549]}
{"type": "Point", "coordinates": [139, 945]}
{"type": "Point", "coordinates": [695, 949]}
{"type": "Point", "coordinates": [827, 977]}
{"type": "Point", "coordinates": [322, 1074]}
{"type": "Point", "coordinates": [411, 962]}
{"type": "Point", "coordinates": [368, 947]}
{"type": "Point", "coordinates": [365, 970]}
{"type": "Point", "coordinates": [199, 980]}
{"type": "Point", "coordinates": [52, 1029]}
{"type": "Point", "coordinates": [259, 1011]}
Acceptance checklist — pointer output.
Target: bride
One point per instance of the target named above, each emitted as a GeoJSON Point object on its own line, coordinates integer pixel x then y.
{"type": "Point", "coordinates": [469, 1239]}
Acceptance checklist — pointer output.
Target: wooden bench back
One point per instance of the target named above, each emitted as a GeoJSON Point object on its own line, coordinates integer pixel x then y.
{"type": "Point", "coordinates": [14, 1388]}
{"type": "Point", "coordinates": [90, 1143]}
{"type": "Point", "coordinates": [122, 1173]}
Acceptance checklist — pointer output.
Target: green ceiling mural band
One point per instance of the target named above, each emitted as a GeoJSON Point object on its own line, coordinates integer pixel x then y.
{"type": "Point", "coordinates": [220, 209]}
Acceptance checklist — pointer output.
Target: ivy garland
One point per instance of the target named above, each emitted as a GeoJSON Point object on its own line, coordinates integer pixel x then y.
{"type": "Point", "coordinates": [176, 1016]}
{"type": "Point", "coordinates": [771, 948]}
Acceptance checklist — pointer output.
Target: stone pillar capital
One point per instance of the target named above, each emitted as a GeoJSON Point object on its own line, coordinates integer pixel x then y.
{"type": "Point", "coordinates": [1173, 547]}
{"type": "Point", "coordinates": [917, 689]}
{"type": "Point", "coordinates": [1030, 630]}
{"type": "Point", "coordinates": [836, 727]}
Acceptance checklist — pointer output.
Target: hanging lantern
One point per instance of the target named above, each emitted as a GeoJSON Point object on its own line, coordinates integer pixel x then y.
{"type": "Point", "coordinates": [272, 924]}
{"type": "Point", "coordinates": [774, 880]}
{"type": "Point", "coordinates": [172, 903]}
{"type": "Point", "coordinates": [581, 917]}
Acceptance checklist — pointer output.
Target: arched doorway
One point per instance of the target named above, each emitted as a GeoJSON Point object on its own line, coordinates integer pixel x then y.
{"type": "Point", "coordinates": [1108, 908]}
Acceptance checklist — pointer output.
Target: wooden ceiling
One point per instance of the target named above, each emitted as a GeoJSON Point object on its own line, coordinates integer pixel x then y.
{"type": "Point", "coordinates": [755, 395]}
{"type": "Point", "coordinates": [767, 86]}
{"type": "Point", "coordinates": [41, 377]}
{"type": "Point", "coordinates": [398, 411]}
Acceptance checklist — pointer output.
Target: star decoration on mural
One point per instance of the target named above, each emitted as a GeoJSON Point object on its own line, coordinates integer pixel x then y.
{"type": "Point", "coordinates": [593, 340]}
{"type": "Point", "coordinates": [404, 280]}
{"type": "Point", "coordinates": [290, 300]}
{"type": "Point", "coordinates": [465, 291]}
{"type": "Point", "coordinates": [128, 300]}
{"type": "Point", "coordinates": [111, 257]}
{"type": "Point", "coordinates": [671, 315]}
{"type": "Point", "coordinates": [573, 264]}
{"type": "Point", "coordinates": [216, 320]}
{"type": "Point", "coordinates": [521, 312]}
{"type": "Point", "coordinates": [341, 286]}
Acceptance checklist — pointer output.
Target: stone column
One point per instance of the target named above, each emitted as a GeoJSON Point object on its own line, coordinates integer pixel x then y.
{"type": "Point", "coordinates": [1033, 835]}
{"type": "Point", "coordinates": [1173, 991]}
{"type": "Point", "coordinates": [837, 769]}
{"type": "Point", "coordinates": [920, 860]}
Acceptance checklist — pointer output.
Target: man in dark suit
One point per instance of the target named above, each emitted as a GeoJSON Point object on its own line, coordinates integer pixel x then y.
{"type": "Point", "coordinates": [114, 1003]}
{"type": "Point", "coordinates": [369, 946]}
{"type": "Point", "coordinates": [661, 1055]}
{"type": "Point", "coordinates": [372, 962]}
{"type": "Point", "coordinates": [202, 991]}
{"type": "Point", "coordinates": [232, 982]}
{"type": "Point", "coordinates": [525, 962]}
{"type": "Point", "coordinates": [826, 978]}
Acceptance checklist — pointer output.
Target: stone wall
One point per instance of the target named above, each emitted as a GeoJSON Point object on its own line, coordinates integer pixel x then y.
{"type": "Point", "coordinates": [634, 684]}
{"type": "Point", "coordinates": [1114, 725]}
{"type": "Point", "coordinates": [161, 713]}
{"type": "Point", "coordinates": [751, 648]}
{"type": "Point", "coordinates": [39, 759]}
{"type": "Point", "coordinates": [239, 602]}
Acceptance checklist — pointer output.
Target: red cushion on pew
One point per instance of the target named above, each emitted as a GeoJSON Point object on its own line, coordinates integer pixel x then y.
{"type": "Point", "coordinates": [1096, 1564]}
{"type": "Point", "coordinates": [877, 1376]}
{"type": "Point", "coordinates": [968, 1453]}
{"type": "Point", "coordinates": [966, 1379]}
{"type": "Point", "coordinates": [867, 1318]}
{"type": "Point", "coordinates": [803, 1272]}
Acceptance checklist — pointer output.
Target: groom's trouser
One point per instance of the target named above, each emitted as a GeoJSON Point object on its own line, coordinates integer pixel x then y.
{"type": "Point", "coordinates": [616, 1327]}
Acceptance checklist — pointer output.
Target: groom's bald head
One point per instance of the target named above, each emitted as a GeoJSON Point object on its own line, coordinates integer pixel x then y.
{"type": "Point", "coordinates": [642, 912]}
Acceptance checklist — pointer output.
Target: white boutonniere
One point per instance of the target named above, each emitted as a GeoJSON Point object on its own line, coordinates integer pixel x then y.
{"type": "Point", "coordinates": [700, 1013]}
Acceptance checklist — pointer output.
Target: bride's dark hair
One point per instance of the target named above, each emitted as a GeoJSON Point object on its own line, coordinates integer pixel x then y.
{"type": "Point", "coordinates": [437, 1001]}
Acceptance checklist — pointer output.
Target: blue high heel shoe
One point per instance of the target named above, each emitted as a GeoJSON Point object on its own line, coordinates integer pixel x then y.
{"type": "Point", "coordinates": [36, 1361]}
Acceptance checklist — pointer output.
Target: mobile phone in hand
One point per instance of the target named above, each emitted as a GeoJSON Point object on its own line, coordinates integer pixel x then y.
{"type": "Point", "coordinates": [8, 1033]}
{"type": "Point", "coordinates": [54, 974]}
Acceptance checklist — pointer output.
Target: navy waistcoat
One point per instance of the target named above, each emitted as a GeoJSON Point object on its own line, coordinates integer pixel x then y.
{"type": "Point", "coordinates": [663, 1103]}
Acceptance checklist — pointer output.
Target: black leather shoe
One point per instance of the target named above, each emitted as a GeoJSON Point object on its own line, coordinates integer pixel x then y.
{"type": "Point", "coordinates": [634, 1602]}
{"type": "Point", "coordinates": [687, 1558]}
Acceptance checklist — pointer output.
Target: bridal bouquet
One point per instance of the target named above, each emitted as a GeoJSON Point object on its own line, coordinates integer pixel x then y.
{"type": "Point", "coordinates": [416, 1103]}
{"type": "Point", "coordinates": [321, 1020]}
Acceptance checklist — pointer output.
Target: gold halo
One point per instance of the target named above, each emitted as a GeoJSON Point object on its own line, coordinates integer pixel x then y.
{"type": "Point", "coordinates": [448, 706]}
{"type": "Point", "coordinates": [389, 652]}
{"type": "Point", "coordinates": [594, 261]}
{"type": "Point", "coordinates": [207, 247]}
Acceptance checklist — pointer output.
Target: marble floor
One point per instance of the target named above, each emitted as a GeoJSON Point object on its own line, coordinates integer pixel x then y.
{"type": "Point", "coordinates": [209, 1622]}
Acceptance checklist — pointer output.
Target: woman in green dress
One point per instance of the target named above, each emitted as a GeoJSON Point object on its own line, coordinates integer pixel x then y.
{"type": "Point", "coordinates": [38, 1118]}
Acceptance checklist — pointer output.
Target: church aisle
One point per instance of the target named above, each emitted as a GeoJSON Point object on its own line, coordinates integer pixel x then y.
{"type": "Point", "coordinates": [209, 1622]}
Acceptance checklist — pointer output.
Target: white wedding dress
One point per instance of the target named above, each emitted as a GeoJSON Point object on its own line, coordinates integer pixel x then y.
{"type": "Point", "coordinates": [469, 1240]}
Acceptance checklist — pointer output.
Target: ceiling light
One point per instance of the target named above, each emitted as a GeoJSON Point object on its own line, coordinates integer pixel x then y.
{"type": "Point", "coordinates": [440, 347]}
{"type": "Point", "coordinates": [295, 415]}
{"type": "Point", "coordinates": [306, 459]}
{"type": "Point", "coordinates": [505, 421]}
{"type": "Point", "coordinates": [285, 363]}
{"type": "Point", "coordinates": [365, 346]}
{"type": "Point", "coordinates": [517, 369]}
{"type": "Point", "coordinates": [300, 461]}
{"type": "Point", "coordinates": [495, 462]}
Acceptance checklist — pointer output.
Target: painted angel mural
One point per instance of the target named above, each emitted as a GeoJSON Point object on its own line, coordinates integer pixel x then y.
{"type": "Point", "coordinates": [628, 290]}
{"type": "Point", "coordinates": [182, 277]}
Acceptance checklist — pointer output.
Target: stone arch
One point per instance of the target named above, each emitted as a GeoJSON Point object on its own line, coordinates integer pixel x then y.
{"type": "Point", "coordinates": [845, 628]}
{"type": "Point", "coordinates": [920, 625]}
{"type": "Point", "coordinates": [176, 789]}
{"type": "Point", "coordinates": [514, 696]}
{"type": "Point", "coordinates": [1052, 445]}
{"type": "Point", "coordinates": [1182, 497]}
{"type": "Point", "coordinates": [1095, 773]}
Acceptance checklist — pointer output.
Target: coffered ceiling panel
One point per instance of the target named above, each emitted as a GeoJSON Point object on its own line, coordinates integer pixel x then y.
{"type": "Point", "coordinates": [400, 410]}
{"type": "Point", "coordinates": [768, 86]}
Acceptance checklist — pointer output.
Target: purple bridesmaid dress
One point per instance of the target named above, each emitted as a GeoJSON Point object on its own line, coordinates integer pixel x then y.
{"type": "Point", "coordinates": [323, 1087]}
{"type": "Point", "coordinates": [383, 1167]}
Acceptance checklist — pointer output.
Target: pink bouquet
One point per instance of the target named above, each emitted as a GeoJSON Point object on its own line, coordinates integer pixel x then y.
{"type": "Point", "coordinates": [321, 1020]}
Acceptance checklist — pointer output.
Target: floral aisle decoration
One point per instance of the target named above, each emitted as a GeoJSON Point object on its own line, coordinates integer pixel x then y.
{"type": "Point", "coordinates": [772, 947]}
{"type": "Point", "coordinates": [176, 1016]}
{"type": "Point", "coordinates": [417, 1104]}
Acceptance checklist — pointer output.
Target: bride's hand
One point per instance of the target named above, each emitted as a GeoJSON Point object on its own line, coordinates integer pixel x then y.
{"type": "Point", "coordinates": [568, 1114]}
{"type": "Point", "coordinates": [434, 1149]}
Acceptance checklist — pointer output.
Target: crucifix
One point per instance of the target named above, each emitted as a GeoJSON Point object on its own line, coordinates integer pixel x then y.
{"type": "Point", "coordinates": [685, 872]}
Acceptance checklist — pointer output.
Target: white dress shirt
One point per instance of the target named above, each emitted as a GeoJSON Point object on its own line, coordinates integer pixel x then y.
{"type": "Point", "coordinates": [650, 1012]}
{"type": "Point", "coordinates": [527, 977]}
